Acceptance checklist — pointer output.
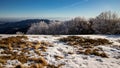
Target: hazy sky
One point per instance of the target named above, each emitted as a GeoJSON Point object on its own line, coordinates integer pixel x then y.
{"type": "Point", "coordinates": [56, 8]}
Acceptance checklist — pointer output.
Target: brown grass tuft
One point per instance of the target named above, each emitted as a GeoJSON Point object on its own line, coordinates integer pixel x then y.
{"type": "Point", "coordinates": [94, 52]}
{"type": "Point", "coordinates": [19, 43]}
{"type": "Point", "coordinates": [1, 66]}
{"type": "Point", "coordinates": [37, 66]}
{"type": "Point", "coordinates": [38, 52]}
{"type": "Point", "coordinates": [104, 55]}
{"type": "Point", "coordinates": [3, 61]}
{"type": "Point", "coordinates": [11, 42]}
{"type": "Point", "coordinates": [88, 52]}
{"type": "Point", "coordinates": [53, 66]}
{"type": "Point", "coordinates": [58, 57]}
{"type": "Point", "coordinates": [84, 42]}
{"type": "Point", "coordinates": [39, 60]}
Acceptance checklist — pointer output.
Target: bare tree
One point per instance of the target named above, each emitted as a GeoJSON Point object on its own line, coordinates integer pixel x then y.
{"type": "Point", "coordinates": [78, 26]}
{"type": "Point", "coordinates": [105, 23]}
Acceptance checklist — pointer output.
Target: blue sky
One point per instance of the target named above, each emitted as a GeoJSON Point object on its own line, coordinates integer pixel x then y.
{"type": "Point", "coordinates": [56, 8]}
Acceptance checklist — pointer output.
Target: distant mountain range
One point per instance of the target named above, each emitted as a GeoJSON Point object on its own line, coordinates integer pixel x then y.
{"type": "Point", "coordinates": [20, 26]}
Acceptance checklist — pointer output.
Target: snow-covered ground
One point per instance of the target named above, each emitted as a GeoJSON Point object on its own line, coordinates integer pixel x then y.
{"type": "Point", "coordinates": [66, 60]}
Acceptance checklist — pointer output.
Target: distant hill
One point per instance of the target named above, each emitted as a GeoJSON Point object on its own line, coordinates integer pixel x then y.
{"type": "Point", "coordinates": [21, 26]}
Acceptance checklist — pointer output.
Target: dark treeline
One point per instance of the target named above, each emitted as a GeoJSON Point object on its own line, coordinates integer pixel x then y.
{"type": "Point", "coordinates": [105, 23]}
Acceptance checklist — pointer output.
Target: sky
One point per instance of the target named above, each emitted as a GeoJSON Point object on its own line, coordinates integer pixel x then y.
{"type": "Point", "coordinates": [56, 8]}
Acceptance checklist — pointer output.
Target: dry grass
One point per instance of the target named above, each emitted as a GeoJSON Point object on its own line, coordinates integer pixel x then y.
{"type": "Point", "coordinates": [87, 45]}
{"type": "Point", "coordinates": [12, 41]}
{"type": "Point", "coordinates": [70, 53]}
{"type": "Point", "coordinates": [35, 36]}
{"type": "Point", "coordinates": [58, 57]}
{"type": "Point", "coordinates": [1, 66]}
{"type": "Point", "coordinates": [0, 36]}
{"type": "Point", "coordinates": [7, 52]}
{"type": "Point", "coordinates": [56, 35]}
{"type": "Point", "coordinates": [21, 58]}
{"type": "Point", "coordinates": [53, 66]}
{"type": "Point", "coordinates": [13, 56]}
{"type": "Point", "coordinates": [38, 52]}
{"type": "Point", "coordinates": [88, 52]}
{"type": "Point", "coordinates": [20, 43]}
{"type": "Point", "coordinates": [95, 52]}
{"type": "Point", "coordinates": [84, 42]}
{"type": "Point", "coordinates": [37, 66]}
{"type": "Point", "coordinates": [40, 60]}
{"type": "Point", "coordinates": [103, 54]}
{"type": "Point", "coordinates": [118, 40]}
{"type": "Point", "coordinates": [3, 46]}
{"type": "Point", "coordinates": [3, 61]}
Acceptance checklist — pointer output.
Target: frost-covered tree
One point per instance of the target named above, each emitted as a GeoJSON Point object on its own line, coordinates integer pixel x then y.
{"type": "Point", "coordinates": [106, 23]}
{"type": "Point", "coordinates": [54, 27]}
{"type": "Point", "coordinates": [78, 26]}
{"type": "Point", "coordinates": [57, 28]}
{"type": "Point", "coordinates": [38, 28]}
